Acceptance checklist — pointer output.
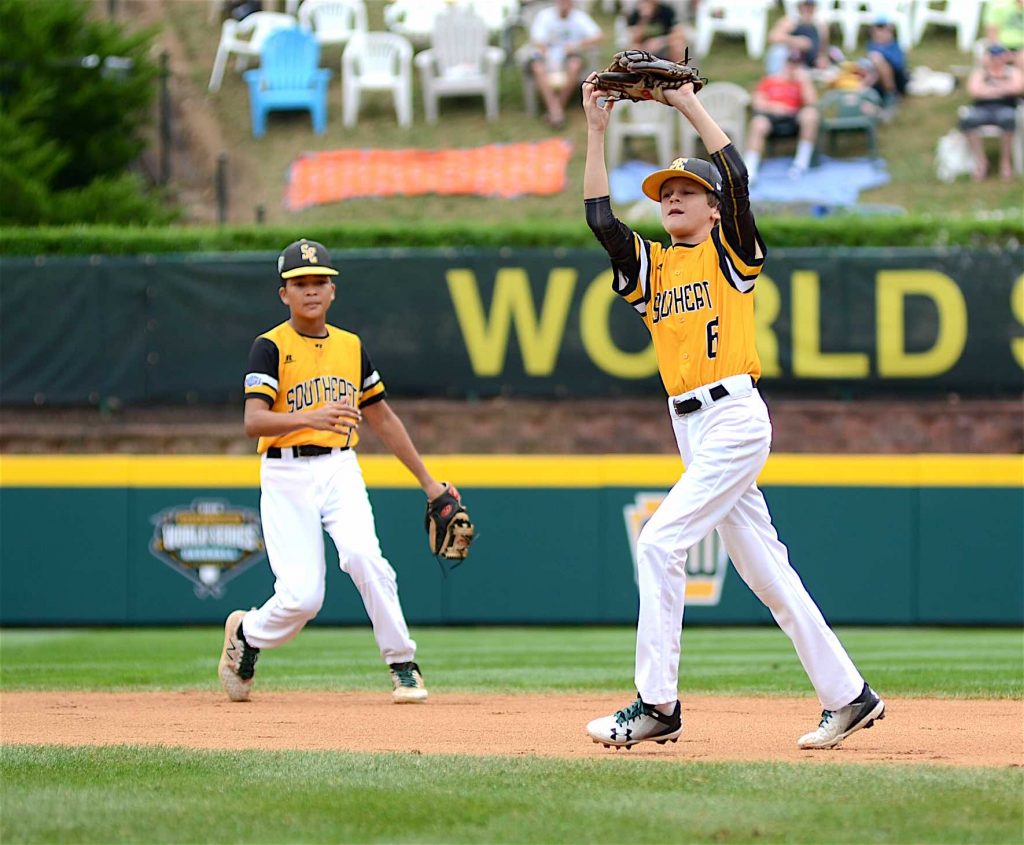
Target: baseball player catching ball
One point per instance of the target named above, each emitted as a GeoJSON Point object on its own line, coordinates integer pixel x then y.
{"type": "Point", "coordinates": [309, 385]}
{"type": "Point", "coordinates": [696, 299]}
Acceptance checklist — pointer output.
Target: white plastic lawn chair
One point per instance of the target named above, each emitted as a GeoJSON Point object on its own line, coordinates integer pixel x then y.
{"type": "Point", "coordinates": [963, 15]}
{"type": "Point", "coordinates": [377, 61]}
{"type": "Point", "coordinates": [499, 15]}
{"type": "Point", "coordinates": [245, 39]}
{"type": "Point", "coordinates": [333, 21]}
{"type": "Point", "coordinates": [640, 120]}
{"type": "Point", "coordinates": [748, 18]}
{"type": "Point", "coordinates": [460, 61]}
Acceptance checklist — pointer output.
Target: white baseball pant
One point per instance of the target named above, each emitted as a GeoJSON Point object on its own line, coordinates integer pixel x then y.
{"type": "Point", "coordinates": [299, 495]}
{"type": "Point", "coordinates": [723, 447]}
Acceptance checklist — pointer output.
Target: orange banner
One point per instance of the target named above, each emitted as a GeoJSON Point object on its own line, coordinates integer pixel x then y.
{"type": "Point", "coordinates": [495, 170]}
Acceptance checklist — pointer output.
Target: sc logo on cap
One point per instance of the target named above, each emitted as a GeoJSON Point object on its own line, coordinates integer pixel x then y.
{"type": "Point", "coordinates": [308, 252]}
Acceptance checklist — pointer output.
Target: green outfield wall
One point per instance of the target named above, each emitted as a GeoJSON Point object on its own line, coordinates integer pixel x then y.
{"type": "Point", "coordinates": [166, 540]}
{"type": "Point", "coordinates": [515, 322]}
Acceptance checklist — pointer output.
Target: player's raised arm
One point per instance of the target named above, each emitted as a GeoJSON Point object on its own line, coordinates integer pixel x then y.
{"type": "Point", "coordinates": [595, 173]}
{"type": "Point", "coordinates": [617, 239]}
{"type": "Point", "coordinates": [737, 220]}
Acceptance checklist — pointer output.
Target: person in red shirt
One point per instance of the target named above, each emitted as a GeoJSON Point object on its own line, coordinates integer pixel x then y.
{"type": "Point", "coordinates": [783, 105]}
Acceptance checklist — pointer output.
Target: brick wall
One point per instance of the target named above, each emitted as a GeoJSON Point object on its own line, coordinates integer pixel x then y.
{"type": "Point", "coordinates": [559, 427]}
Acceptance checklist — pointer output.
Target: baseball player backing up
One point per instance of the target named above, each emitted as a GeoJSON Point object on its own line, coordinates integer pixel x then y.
{"type": "Point", "coordinates": [696, 299]}
{"type": "Point", "coordinates": [308, 387]}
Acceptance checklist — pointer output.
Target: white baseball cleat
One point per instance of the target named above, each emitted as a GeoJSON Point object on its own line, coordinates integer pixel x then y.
{"type": "Point", "coordinates": [237, 659]}
{"type": "Point", "coordinates": [640, 722]}
{"type": "Point", "coordinates": [408, 683]}
{"type": "Point", "coordinates": [836, 725]}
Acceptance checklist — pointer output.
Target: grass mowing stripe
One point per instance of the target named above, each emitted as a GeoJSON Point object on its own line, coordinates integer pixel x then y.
{"type": "Point", "coordinates": [977, 663]}
{"type": "Point", "coordinates": [131, 794]}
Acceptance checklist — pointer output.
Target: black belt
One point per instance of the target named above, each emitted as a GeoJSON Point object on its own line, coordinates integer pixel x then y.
{"type": "Point", "coordinates": [716, 392]}
{"type": "Point", "coordinates": [306, 451]}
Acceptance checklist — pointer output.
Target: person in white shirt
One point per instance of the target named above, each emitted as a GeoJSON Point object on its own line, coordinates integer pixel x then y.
{"type": "Point", "coordinates": [559, 36]}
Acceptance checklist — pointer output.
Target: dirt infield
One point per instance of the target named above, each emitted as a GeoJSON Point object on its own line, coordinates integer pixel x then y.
{"type": "Point", "coordinates": [930, 731]}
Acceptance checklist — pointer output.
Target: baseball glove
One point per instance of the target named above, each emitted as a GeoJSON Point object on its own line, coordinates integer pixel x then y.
{"type": "Point", "coordinates": [449, 528]}
{"type": "Point", "coordinates": [639, 75]}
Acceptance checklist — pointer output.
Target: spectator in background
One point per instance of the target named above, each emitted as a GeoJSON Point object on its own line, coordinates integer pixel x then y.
{"type": "Point", "coordinates": [806, 32]}
{"type": "Point", "coordinates": [996, 87]}
{"type": "Point", "coordinates": [560, 35]}
{"type": "Point", "coordinates": [652, 26]}
{"type": "Point", "coordinates": [783, 107]}
{"type": "Point", "coordinates": [1004, 24]}
{"type": "Point", "coordinates": [889, 62]}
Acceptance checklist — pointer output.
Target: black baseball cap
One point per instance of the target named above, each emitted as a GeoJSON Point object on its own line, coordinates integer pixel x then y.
{"type": "Point", "coordinates": [305, 258]}
{"type": "Point", "coordinates": [700, 171]}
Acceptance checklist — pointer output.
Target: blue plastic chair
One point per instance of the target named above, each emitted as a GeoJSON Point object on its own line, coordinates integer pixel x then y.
{"type": "Point", "coordinates": [288, 79]}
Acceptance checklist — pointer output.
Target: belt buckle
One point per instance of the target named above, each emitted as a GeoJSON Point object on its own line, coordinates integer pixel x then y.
{"type": "Point", "coordinates": [687, 406]}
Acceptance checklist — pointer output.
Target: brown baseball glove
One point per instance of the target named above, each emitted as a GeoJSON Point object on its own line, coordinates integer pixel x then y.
{"type": "Point", "coordinates": [639, 75]}
{"type": "Point", "coordinates": [449, 528]}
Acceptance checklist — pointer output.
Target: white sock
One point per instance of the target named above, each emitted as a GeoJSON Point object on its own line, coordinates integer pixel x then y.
{"type": "Point", "coordinates": [666, 709]}
{"type": "Point", "coordinates": [804, 151]}
{"type": "Point", "coordinates": [753, 162]}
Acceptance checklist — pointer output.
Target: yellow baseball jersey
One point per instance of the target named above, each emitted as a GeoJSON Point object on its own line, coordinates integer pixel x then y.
{"type": "Point", "coordinates": [697, 299]}
{"type": "Point", "coordinates": [294, 372]}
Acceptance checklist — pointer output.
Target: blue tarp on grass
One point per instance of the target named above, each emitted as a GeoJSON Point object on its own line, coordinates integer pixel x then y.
{"type": "Point", "coordinates": [833, 182]}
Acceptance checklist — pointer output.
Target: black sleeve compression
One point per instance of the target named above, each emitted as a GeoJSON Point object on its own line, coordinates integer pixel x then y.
{"type": "Point", "coordinates": [614, 235]}
{"type": "Point", "coordinates": [737, 219]}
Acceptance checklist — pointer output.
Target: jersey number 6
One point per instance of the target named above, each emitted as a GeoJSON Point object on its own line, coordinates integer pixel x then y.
{"type": "Point", "coordinates": [712, 329]}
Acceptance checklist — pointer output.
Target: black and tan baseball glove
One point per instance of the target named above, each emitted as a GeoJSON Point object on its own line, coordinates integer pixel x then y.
{"type": "Point", "coordinates": [639, 75]}
{"type": "Point", "coordinates": [449, 528]}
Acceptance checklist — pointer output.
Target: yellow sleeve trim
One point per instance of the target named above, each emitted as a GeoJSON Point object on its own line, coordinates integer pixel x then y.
{"type": "Point", "coordinates": [376, 390]}
{"type": "Point", "coordinates": [741, 265]}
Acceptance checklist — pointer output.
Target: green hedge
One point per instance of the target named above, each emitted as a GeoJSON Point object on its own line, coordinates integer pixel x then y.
{"type": "Point", "coordinates": [841, 230]}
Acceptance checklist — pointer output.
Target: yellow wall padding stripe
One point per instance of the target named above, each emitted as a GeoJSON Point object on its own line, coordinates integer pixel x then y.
{"type": "Point", "coordinates": [569, 471]}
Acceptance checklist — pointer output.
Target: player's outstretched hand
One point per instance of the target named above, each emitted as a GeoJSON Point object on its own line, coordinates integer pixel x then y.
{"type": "Point", "coordinates": [334, 416]}
{"type": "Point", "coordinates": [596, 106]}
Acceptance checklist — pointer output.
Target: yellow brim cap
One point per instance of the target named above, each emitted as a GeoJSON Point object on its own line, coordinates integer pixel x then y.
{"type": "Point", "coordinates": [695, 169]}
{"type": "Point", "coordinates": [309, 271]}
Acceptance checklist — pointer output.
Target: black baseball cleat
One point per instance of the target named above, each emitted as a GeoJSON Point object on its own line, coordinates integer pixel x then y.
{"type": "Point", "coordinates": [836, 725]}
{"type": "Point", "coordinates": [640, 722]}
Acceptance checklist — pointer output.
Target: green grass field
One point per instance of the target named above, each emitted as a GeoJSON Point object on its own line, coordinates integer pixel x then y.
{"type": "Point", "coordinates": [961, 663]}
{"type": "Point", "coordinates": [146, 794]}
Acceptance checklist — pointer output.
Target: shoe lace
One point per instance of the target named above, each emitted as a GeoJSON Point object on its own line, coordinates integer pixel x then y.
{"type": "Point", "coordinates": [405, 672]}
{"type": "Point", "coordinates": [826, 717]}
{"type": "Point", "coordinates": [634, 711]}
{"type": "Point", "coordinates": [247, 663]}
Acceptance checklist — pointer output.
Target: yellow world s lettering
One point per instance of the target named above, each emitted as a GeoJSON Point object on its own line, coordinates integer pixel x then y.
{"type": "Point", "coordinates": [1017, 306]}
{"type": "Point", "coordinates": [487, 335]}
{"type": "Point", "coordinates": [893, 287]}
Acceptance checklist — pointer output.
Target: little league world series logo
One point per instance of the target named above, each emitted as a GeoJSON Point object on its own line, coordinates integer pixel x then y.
{"type": "Point", "coordinates": [210, 542]}
{"type": "Point", "coordinates": [706, 562]}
